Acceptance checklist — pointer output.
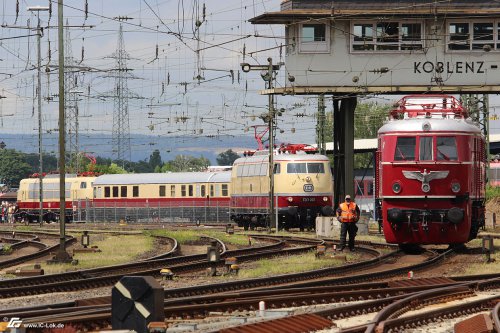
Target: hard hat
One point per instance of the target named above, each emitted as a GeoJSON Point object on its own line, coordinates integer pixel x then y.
{"type": "Point", "coordinates": [348, 197]}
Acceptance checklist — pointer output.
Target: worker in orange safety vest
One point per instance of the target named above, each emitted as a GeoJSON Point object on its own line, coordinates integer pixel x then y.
{"type": "Point", "coordinates": [348, 214]}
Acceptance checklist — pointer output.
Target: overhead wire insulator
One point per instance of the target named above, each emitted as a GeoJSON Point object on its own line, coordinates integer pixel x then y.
{"type": "Point", "coordinates": [238, 77]}
{"type": "Point", "coordinates": [50, 10]}
{"type": "Point", "coordinates": [156, 54]}
{"type": "Point", "coordinates": [168, 78]}
{"type": "Point", "coordinates": [86, 9]}
{"type": "Point", "coordinates": [162, 88]}
{"type": "Point", "coordinates": [204, 11]}
{"type": "Point", "coordinates": [244, 50]}
{"type": "Point", "coordinates": [83, 50]}
{"type": "Point", "coordinates": [17, 10]}
{"type": "Point", "coordinates": [232, 75]}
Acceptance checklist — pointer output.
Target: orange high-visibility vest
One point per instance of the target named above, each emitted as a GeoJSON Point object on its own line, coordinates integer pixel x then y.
{"type": "Point", "coordinates": [348, 213]}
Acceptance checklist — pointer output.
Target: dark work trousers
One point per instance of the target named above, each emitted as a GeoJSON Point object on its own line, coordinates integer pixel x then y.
{"type": "Point", "coordinates": [347, 227]}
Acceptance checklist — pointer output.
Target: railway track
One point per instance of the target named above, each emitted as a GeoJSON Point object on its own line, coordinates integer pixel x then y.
{"type": "Point", "coordinates": [106, 276]}
{"type": "Point", "coordinates": [190, 302]}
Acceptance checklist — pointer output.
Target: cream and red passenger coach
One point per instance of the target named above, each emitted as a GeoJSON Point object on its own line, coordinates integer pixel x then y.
{"type": "Point", "coordinates": [303, 189]}
{"type": "Point", "coordinates": [430, 175]}
{"type": "Point", "coordinates": [78, 195]}
{"type": "Point", "coordinates": [198, 195]}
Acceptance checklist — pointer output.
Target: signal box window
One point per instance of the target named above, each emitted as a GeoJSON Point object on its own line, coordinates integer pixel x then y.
{"type": "Point", "coordinates": [172, 191]}
{"type": "Point", "coordinates": [135, 191]}
{"type": "Point", "coordinates": [446, 148]}
{"type": "Point", "coordinates": [123, 193]}
{"type": "Point", "coordinates": [107, 192]}
{"type": "Point", "coordinates": [314, 38]}
{"type": "Point", "coordinates": [405, 149]}
{"type": "Point", "coordinates": [225, 191]}
{"type": "Point", "coordinates": [426, 148]}
{"type": "Point", "coordinates": [163, 191]}
{"type": "Point", "coordinates": [376, 36]}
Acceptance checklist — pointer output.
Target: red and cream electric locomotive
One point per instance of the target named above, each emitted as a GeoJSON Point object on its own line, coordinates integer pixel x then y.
{"type": "Point", "coordinates": [430, 175]}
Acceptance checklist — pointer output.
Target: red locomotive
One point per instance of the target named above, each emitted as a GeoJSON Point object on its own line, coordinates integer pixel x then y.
{"type": "Point", "coordinates": [430, 175]}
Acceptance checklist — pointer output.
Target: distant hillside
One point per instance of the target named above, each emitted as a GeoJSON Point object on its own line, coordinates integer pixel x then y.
{"type": "Point", "coordinates": [141, 145]}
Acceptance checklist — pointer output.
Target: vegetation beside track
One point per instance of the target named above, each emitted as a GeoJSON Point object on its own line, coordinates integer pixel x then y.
{"type": "Point", "coordinates": [114, 250]}
{"type": "Point", "coordinates": [186, 236]}
{"type": "Point", "coordinates": [481, 266]}
{"type": "Point", "coordinates": [295, 264]}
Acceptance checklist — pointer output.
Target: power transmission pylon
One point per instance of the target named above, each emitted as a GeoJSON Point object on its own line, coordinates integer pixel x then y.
{"type": "Point", "coordinates": [71, 104]}
{"type": "Point", "coordinates": [121, 121]}
{"type": "Point", "coordinates": [478, 107]}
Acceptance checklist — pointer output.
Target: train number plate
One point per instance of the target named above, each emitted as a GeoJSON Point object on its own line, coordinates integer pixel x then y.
{"type": "Point", "coordinates": [309, 199]}
{"type": "Point", "coordinates": [308, 188]}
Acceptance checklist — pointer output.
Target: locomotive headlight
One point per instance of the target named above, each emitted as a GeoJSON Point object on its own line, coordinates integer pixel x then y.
{"type": "Point", "coordinates": [325, 199]}
{"type": "Point", "coordinates": [396, 187]}
{"type": "Point", "coordinates": [290, 199]}
{"type": "Point", "coordinates": [455, 187]}
{"type": "Point", "coordinates": [308, 179]}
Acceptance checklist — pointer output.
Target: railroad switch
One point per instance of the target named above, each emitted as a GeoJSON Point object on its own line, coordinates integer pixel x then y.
{"type": "Point", "coordinates": [166, 274]}
{"type": "Point", "coordinates": [320, 251]}
{"type": "Point", "coordinates": [157, 327]}
{"type": "Point", "coordinates": [232, 266]}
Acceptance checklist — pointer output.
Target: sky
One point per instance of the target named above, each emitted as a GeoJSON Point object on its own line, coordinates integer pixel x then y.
{"type": "Point", "coordinates": [167, 52]}
{"type": "Point", "coordinates": [166, 55]}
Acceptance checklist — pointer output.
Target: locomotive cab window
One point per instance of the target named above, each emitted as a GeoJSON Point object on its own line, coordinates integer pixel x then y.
{"type": "Point", "coordinates": [425, 148]}
{"type": "Point", "coordinates": [296, 168]}
{"type": "Point", "coordinates": [315, 168]}
{"type": "Point", "coordinates": [405, 149]}
{"type": "Point", "coordinates": [446, 148]}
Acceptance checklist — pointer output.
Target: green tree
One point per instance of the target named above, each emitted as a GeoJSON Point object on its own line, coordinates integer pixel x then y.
{"type": "Point", "coordinates": [227, 158]}
{"type": "Point", "coordinates": [368, 118]}
{"type": "Point", "coordinates": [155, 160]}
{"type": "Point", "coordinates": [186, 163]}
{"type": "Point", "coordinates": [13, 167]}
{"type": "Point", "coordinates": [49, 162]}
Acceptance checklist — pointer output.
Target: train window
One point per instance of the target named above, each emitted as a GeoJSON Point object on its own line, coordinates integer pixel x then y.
{"type": "Point", "coordinates": [296, 168]}
{"type": "Point", "coordinates": [426, 148]}
{"type": "Point", "coordinates": [135, 191]}
{"type": "Point", "coordinates": [115, 191]}
{"type": "Point", "coordinates": [446, 148]}
{"type": "Point", "coordinates": [252, 170]}
{"type": "Point", "coordinates": [405, 149]}
{"type": "Point", "coordinates": [263, 169]}
{"type": "Point", "coordinates": [225, 191]}
{"type": "Point", "coordinates": [172, 191]}
{"type": "Point", "coordinates": [277, 168]}
{"type": "Point", "coordinates": [107, 192]}
{"type": "Point", "coordinates": [163, 191]}
{"type": "Point", "coordinates": [83, 185]}
{"type": "Point", "coordinates": [203, 191]}
{"type": "Point", "coordinates": [183, 190]}
{"type": "Point", "coordinates": [123, 193]}
{"type": "Point", "coordinates": [211, 190]}
{"type": "Point", "coordinates": [239, 171]}
{"type": "Point", "coordinates": [315, 168]}
{"type": "Point", "coordinates": [190, 190]}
